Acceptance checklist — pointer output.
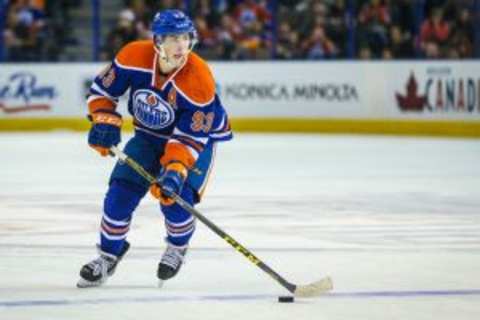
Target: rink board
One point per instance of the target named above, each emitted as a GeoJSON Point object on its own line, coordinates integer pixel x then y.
{"type": "Point", "coordinates": [416, 98]}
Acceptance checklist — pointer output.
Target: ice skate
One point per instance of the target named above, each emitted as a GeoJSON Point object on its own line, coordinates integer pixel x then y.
{"type": "Point", "coordinates": [171, 262]}
{"type": "Point", "coordinates": [96, 272]}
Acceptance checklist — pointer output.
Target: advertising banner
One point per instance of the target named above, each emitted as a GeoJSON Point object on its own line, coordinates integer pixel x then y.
{"type": "Point", "coordinates": [435, 90]}
{"type": "Point", "coordinates": [323, 90]}
{"type": "Point", "coordinates": [43, 90]}
{"type": "Point", "coordinates": [293, 89]}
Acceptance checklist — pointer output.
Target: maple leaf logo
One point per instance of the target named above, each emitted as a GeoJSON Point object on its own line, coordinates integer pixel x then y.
{"type": "Point", "coordinates": [411, 101]}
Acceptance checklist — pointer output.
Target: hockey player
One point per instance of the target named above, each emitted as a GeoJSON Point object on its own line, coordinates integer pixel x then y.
{"type": "Point", "coordinates": [178, 119]}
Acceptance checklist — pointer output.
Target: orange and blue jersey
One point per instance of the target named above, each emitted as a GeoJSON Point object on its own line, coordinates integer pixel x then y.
{"type": "Point", "coordinates": [181, 108]}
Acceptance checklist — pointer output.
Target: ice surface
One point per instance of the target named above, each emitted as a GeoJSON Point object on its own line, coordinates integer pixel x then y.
{"type": "Point", "coordinates": [394, 221]}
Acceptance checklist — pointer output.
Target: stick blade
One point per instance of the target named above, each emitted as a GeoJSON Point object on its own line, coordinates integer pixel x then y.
{"type": "Point", "coordinates": [314, 289]}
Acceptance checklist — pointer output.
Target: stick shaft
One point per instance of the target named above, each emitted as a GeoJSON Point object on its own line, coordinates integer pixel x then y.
{"type": "Point", "coordinates": [222, 234]}
{"type": "Point", "coordinates": [235, 244]}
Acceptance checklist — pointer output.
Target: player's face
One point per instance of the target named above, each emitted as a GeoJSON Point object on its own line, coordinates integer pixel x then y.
{"type": "Point", "coordinates": [176, 47]}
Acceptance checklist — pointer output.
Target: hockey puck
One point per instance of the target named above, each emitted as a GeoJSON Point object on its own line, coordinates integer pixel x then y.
{"type": "Point", "coordinates": [286, 299]}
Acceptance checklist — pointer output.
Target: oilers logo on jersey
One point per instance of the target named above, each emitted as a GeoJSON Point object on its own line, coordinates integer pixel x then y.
{"type": "Point", "coordinates": [151, 110]}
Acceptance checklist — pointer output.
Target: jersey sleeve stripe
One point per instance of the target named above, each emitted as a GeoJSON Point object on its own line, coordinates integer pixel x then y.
{"type": "Point", "coordinates": [131, 68]}
{"type": "Point", "coordinates": [198, 104]}
{"type": "Point", "coordinates": [101, 103]}
{"type": "Point", "coordinates": [221, 125]}
{"type": "Point", "coordinates": [93, 97]}
{"type": "Point", "coordinates": [96, 87]}
{"type": "Point", "coordinates": [189, 142]}
{"type": "Point", "coordinates": [193, 151]}
{"type": "Point", "coordinates": [221, 135]}
{"type": "Point", "coordinates": [179, 132]}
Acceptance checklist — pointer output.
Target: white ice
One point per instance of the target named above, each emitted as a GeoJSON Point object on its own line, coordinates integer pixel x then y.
{"type": "Point", "coordinates": [394, 221]}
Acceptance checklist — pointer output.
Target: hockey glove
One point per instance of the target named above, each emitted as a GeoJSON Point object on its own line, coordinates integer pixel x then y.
{"type": "Point", "coordinates": [169, 182]}
{"type": "Point", "coordinates": [105, 131]}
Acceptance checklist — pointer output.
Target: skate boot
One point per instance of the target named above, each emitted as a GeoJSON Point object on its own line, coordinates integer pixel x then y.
{"type": "Point", "coordinates": [171, 262]}
{"type": "Point", "coordinates": [97, 271]}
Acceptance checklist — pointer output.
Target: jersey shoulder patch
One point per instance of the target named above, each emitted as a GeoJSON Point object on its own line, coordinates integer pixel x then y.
{"type": "Point", "coordinates": [137, 55]}
{"type": "Point", "coordinates": [195, 81]}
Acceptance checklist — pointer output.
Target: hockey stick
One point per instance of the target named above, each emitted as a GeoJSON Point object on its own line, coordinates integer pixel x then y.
{"type": "Point", "coordinates": [310, 290]}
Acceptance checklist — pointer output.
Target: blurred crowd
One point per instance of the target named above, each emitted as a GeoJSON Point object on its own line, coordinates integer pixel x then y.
{"type": "Point", "coordinates": [315, 29]}
{"type": "Point", "coordinates": [37, 30]}
{"type": "Point", "coordinates": [266, 29]}
{"type": "Point", "coordinates": [402, 29]}
{"type": "Point", "coordinates": [227, 29]}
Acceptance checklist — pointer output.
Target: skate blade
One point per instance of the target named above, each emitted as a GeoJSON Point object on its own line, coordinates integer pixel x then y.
{"type": "Point", "coordinates": [82, 283]}
{"type": "Point", "coordinates": [161, 283]}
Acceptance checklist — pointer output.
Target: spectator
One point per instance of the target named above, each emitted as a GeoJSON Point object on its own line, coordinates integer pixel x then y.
{"type": "Point", "coordinates": [253, 18]}
{"type": "Point", "coordinates": [287, 42]}
{"type": "Point", "coordinates": [207, 36]}
{"type": "Point", "coordinates": [228, 35]}
{"type": "Point", "coordinates": [25, 31]}
{"type": "Point", "coordinates": [387, 54]}
{"type": "Point", "coordinates": [462, 35]}
{"type": "Point", "coordinates": [308, 17]}
{"type": "Point", "coordinates": [139, 9]}
{"type": "Point", "coordinates": [373, 23]}
{"type": "Point", "coordinates": [124, 32]}
{"type": "Point", "coordinates": [60, 33]}
{"type": "Point", "coordinates": [318, 45]}
{"type": "Point", "coordinates": [462, 46]}
{"type": "Point", "coordinates": [376, 11]}
{"type": "Point", "coordinates": [248, 11]}
{"type": "Point", "coordinates": [365, 53]}
{"type": "Point", "coordinates": [435, 30]}
{"type": "Point", "coordinates": [402, 16]}
{"type": "Point", "coordinates": [401, 44]}
{"type": "Point", "coordinates": [431, 50]}
{"type": "Point", "coordinates": [337, 27]}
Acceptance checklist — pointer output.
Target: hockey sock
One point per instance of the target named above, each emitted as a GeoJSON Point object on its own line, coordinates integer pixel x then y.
{"type": "Point", "coordinates": [179, 224]}
{"type": "Point", "coordinates": [121, 200]}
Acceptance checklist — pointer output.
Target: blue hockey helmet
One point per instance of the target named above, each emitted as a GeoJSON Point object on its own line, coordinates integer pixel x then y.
{"type": "Point", "coordinates": [172, 22]}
